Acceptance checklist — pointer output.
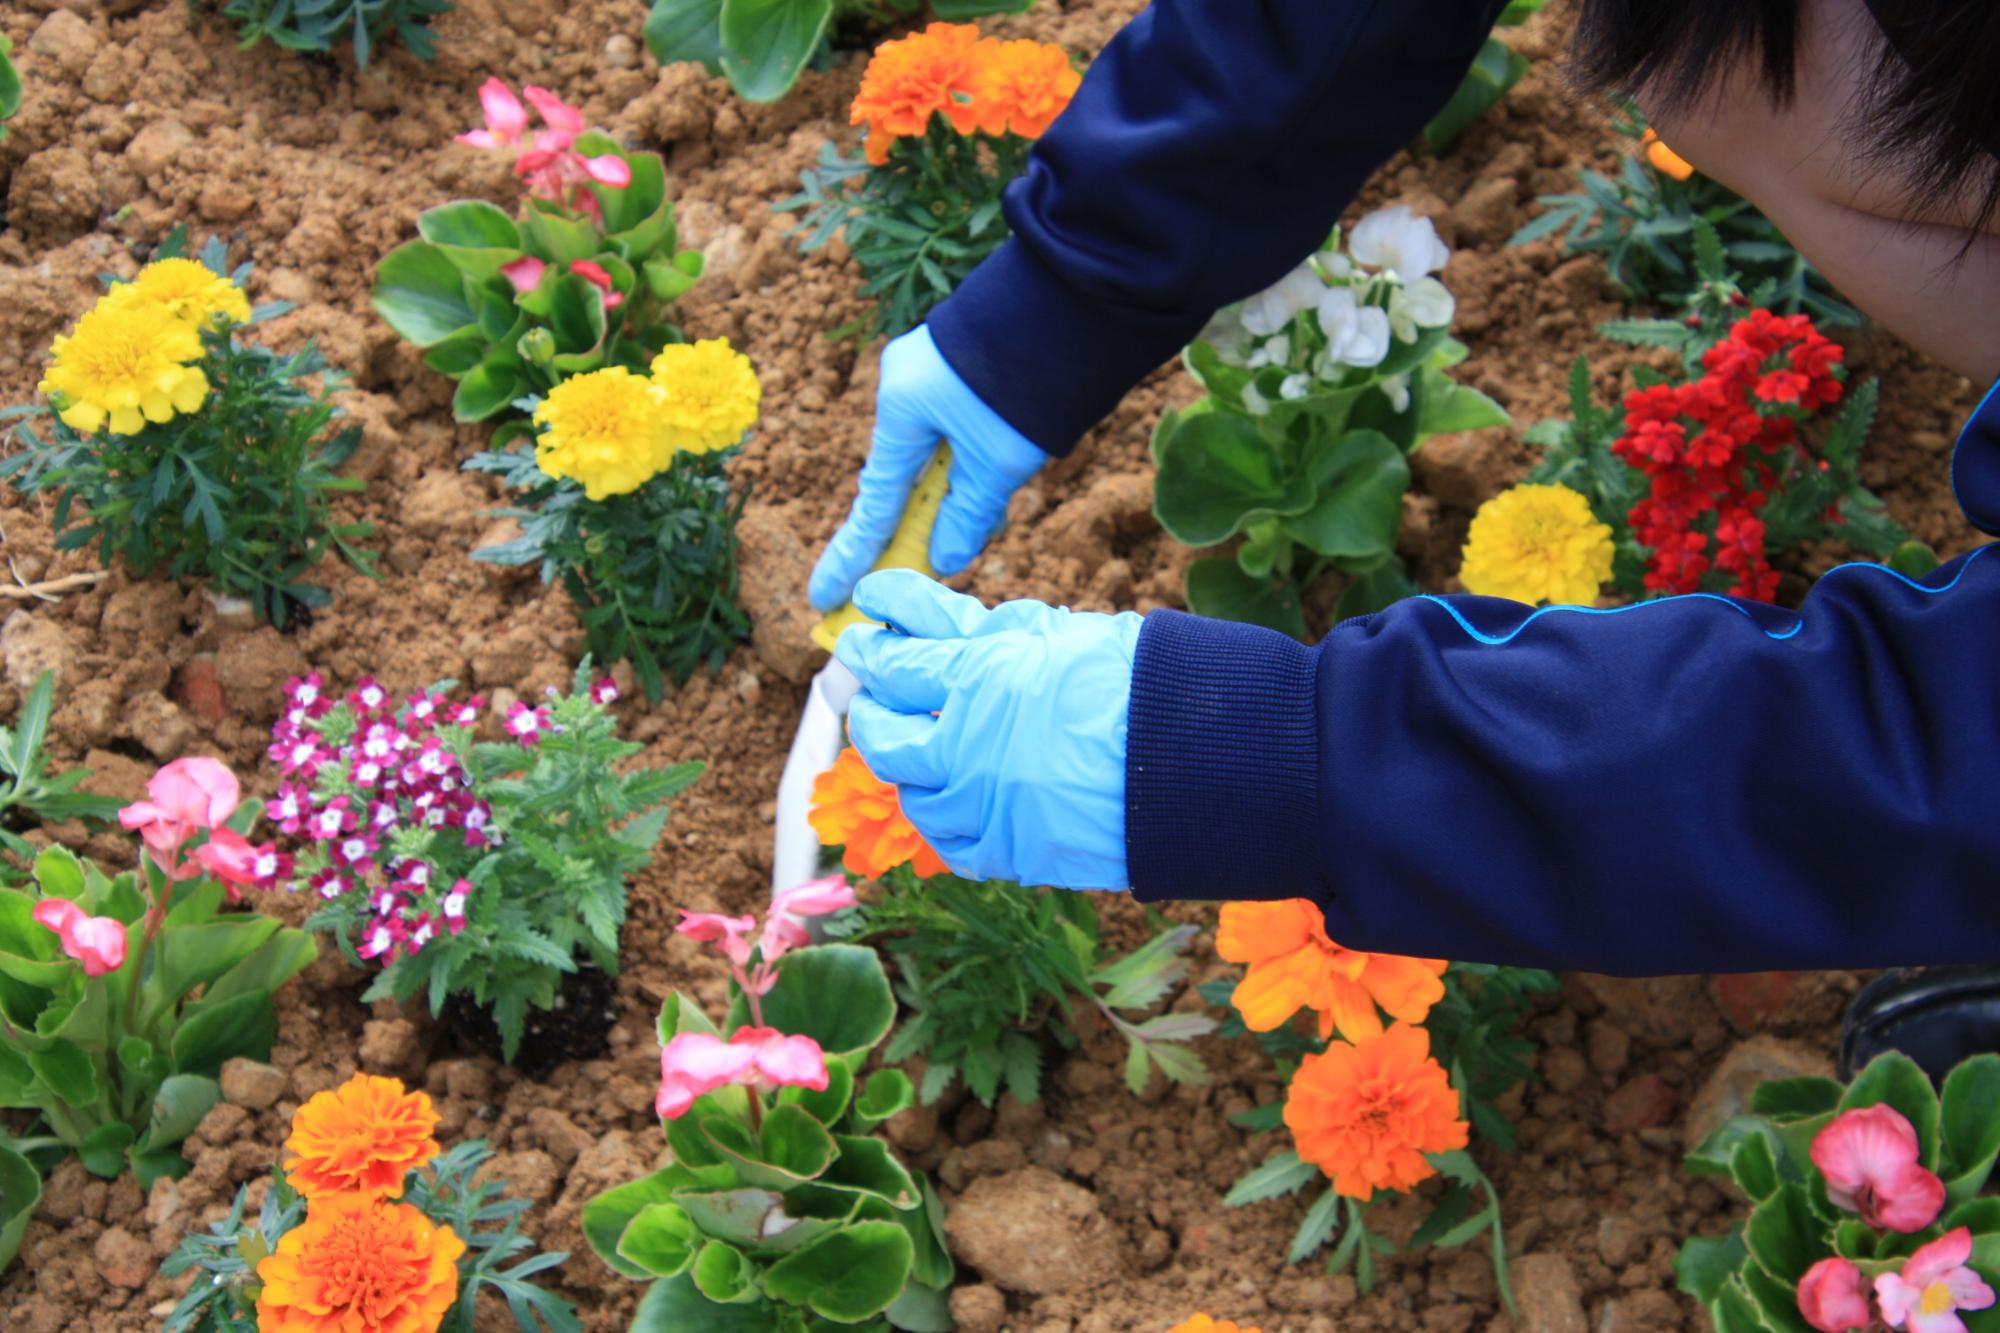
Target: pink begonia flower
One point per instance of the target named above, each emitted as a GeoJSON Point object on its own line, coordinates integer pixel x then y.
{"type": "Point", "coordinates": [186, 796]}
{"type": "Point", "coordinates": [1869, 1158]}
{"type": "Point", "coordinates": [596, 276]}
{"type": "Point", "coordinates": [1933, 1287]}
{"type": "Point", "coordinates": [525, 273]}
{"type": "Point", "coordinates": [98, 942]}
{"type": "Point", "coordinates": [694, 1064]}
{"type": "Point", "coordinates": [564, 121]}
{"type": "Point", "coordinates": [783, 930]}
{"type": "Point", "coordinates": [1833, 1298]}
{"type": "Point", "coordinates": [231, 858]}
{"type": "Point", "coordinates": [729, 932]}
{"type": "Point", "coordinates": [505, 117]}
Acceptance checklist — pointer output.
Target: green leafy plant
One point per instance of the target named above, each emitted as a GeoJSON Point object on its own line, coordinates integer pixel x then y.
{"type": "Point", "coordinates": [988, 969]}
{"type": "Point", "coordinates": [223, 1299]}
{"type": "Point", "coordinates": [581, 280]}
{"type": "Point", "coordinates": [234, 483]}
{"type": "Point", "coordinates": [1495, 71]}
{"type": "Point", "coordinates": [1809, 1237]}
{"type": "Point", "coordinates": [315, 25]}
{"type": "Point", "coordinates": [1645, 222]}
{"type": "Point", "coordinates": [20, 1191]}
{"type": "Point", "coordinates": [27, 793]}
{"type": "Point", "coordinates": [653, 572]}
{"type": "Point", "coordinates": [1474, 1036]}
{"type": "Point", "coordinates": [494, 866]}
{"type": "Point", "coordinates": [1319, 390]}
{"type": "Point", "coordinates": [120, 998]}
{"type": "Point", "coordinates": [782, 1211]}
{"type": "Point", "coordinates": [762, 46]}
{"type": "Point", "coordinates": [10, 84]}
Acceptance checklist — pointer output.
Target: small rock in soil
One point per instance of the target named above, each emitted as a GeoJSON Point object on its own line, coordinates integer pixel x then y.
{"type": "Point", "coordinates": [1486, 212]}
{"type": "Point", "coordinates": [198, 689]}
{"type": "Point", "coordinates": [123, 1259]}
{"type": "Point", "coordinates": [1728, 1089]}
{"type": "Point", "coordinates": [32, 644]}
{"type": "Point", "coordinates": [158, 146]}
{"type": "Point", "coordinates": [557, 1133]}
{"type": "Point", "coordinates": [1551, 1299]}
{"type": "Point", "coordinates": [1753, 999]}
{"type": "Point", "coordinates": [1639, 1104]}
{"type": "Point", "coordinates": [157, 723]}
{"type": "Point", "coordinates": [775, 565]}
{"type": "Point", "coordinates": [67, 39]}
{"type": "Point", "coordinates": [390, 1046]}
{"type": "Point", "coordinates": [530, 1175]}
{"type": "Point", "coordinates": [253, 669]}
{"type": "Point", "coordinates": [979, 1309]}
{"type": "Point", "coordinates": [1564, 1068]}
{"type": "Point", "coordinates": [1032, 1231]}
{"type": "Point", "coordinates": [1641, 1312]}
{"type": "Point", "coordinates": [253, 1085]}
{"type": "Point", "coordinates": [1609, 1046]}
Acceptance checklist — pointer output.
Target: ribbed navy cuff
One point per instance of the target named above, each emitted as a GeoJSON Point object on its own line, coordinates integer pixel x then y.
{"type": "Point", "coordinates": [1222, 763]}
{"type": "Point", "coordinates": [1049, 360]}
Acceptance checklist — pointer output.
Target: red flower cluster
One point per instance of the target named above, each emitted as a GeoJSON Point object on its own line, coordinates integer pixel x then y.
{"type": "Point", "coordinates": [1718, 446]}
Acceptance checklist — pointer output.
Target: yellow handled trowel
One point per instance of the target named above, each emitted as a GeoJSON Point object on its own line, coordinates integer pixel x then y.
{"type": "Point", "coordinates": [909, 548]}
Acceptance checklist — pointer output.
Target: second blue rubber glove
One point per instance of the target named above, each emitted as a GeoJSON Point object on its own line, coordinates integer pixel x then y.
{"type": "Point", "coordinates": [919, 403]}
{"type": "Point", "coordinates": [1004, 729]}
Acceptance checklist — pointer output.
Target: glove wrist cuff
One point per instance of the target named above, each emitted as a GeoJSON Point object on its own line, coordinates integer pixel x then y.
{"type": "Point", "coordinates": [1222, 763]}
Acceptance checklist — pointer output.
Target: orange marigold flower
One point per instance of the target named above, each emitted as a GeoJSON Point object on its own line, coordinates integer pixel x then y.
{"type": "Point", "coordinates": [360, 1138]}
{"type": "Point", "coordinates": [1201, 1323]}
{"type": "Point", "coordinates": [1020, 86]}
{"type": "Point", "coordinates": [1664, 159]}
{"type": "Point", "coordinates": [1366, 1114]}
{"type": "Point", "coordinates": [1294, 966]}
{"type": "Point", "coordinates": [359, 1265]}
{"type": "Point", "coordinates": [854, 809]}
{"type": "Point", "coordinates": [908, 80]}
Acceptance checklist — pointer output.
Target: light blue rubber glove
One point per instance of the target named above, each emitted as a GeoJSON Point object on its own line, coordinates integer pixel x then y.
{"type": "Point", "coordinates": [1021, 772]}
{"type": "Point", "coordinates": [919, 402]}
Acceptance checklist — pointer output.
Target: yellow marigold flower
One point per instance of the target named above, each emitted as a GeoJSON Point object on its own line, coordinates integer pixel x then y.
{"type": "Point", "coordinates": [360, 1138]}
{"type": "Point", "coordinates": [609, 430]}
{"type": "Point", "coordinates": [1368, 1114]}
{"type": "Point", "coordinates": [1294, 966]}
{"type": "Point", "coordinates": [712, 393]}
{"type": "Point", "coordinates": [187, 290]}
{"type": "Point", "coordinates": [1664, 159]}
{"type": "Point", "coordinates": [910, 79]}
{"type": "Point", "coordinates": [1201, 1323]}
{"type": "Point", "coordinates": [124, 365]}
{"type": "Point", "coordinates": [1537, 544]}
{"type": "Point", "coordinates": [1020, 86]}
{"type": "Point", "coordinates": [359, 1265]}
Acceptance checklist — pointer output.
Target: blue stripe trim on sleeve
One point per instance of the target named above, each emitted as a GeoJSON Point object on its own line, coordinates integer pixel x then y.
{"type": "Point", "coordinates": [1729, 602]}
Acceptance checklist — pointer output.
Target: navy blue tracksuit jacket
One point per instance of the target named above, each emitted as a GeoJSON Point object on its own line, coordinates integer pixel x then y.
{"type": "Point", "coordinates": [1693, 784]}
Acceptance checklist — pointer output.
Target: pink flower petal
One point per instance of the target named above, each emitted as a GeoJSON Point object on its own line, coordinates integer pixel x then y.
{"type": "Point", "coordinates": [477, 139]}
{"type": "Point", "coordinates": [609, 169]}
{"type": "Point", "coordinates": [693, 1064]}
{"type": "Point", "coordinates": [1934, 1261]}
{"type": "Point", "coordinates": [198, 791]}
{"type": "Point", "coordinates": [592, 273]}
{"type": "Point", "coordinates": [98, 942]}
{"type": "Point", "coordinates": [815, 897]}
{"type": "Point", "coordinates": [505, 116]}
{"type": "Point", "coordinates": [1898, 1298]}
{"type": "Point", "coordinates": [559, 115]}
{"type": "Point", "coordinates": [229, 856]}
{"type": "Point", "coordinates": [1832, 1297]}
{"type": "Point", "coordinates": [58, 914]}
{"type": "Point", "coordinates": [1869, 1159]}
{"type": "Point", "coordinates": [525, 273]}
{"type": "Point", "coordinates": [786, 1061]}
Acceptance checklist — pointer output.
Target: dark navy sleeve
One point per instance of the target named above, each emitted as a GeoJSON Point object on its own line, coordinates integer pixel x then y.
{"type": "Point", "coordinates": [1211, 146]}
{"type": "Point", "coordinates": [1693, 784]}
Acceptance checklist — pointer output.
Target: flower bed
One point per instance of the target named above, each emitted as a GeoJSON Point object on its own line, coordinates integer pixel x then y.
{"type": "Point", "coordinates": [135, 123]}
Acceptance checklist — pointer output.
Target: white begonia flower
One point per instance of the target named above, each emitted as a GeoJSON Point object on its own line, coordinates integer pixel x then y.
{"type": "Point", "coordinates": [1274, 307]}
{"type": "Point", "coordinates": [1423, 304]}
{"type": "Point", "coordinates": [1356, 334]}
{"type": "Point", "coordinates": [1335, 265]}
{"type": "Point", "coordinates": [1398, 240]}
{"type": "Point", "coordinates": [1397, 389]}
{"type": "Point", "coordinates": [1275, 351]}
{"type": "Point", "coordinates": [1295, 386]}
{"type": "Point", "coordinates": [1226, 334]}
{"type": "Point", "coordinates": [1255, 403]}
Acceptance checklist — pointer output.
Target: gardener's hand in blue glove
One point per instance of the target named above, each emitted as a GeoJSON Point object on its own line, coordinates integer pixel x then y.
{"type": "Point", "coordinates": [920, 402]}
{"type": "Point", "coordinates": [1021, 772]}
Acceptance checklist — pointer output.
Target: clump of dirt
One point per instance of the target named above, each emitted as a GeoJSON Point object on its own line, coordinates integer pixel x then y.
{"type": "Point", "coordinates": [141, 117]}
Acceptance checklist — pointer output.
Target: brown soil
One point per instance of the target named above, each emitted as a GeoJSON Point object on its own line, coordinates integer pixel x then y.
{"type": "Point", "coordinates": [139, 117]}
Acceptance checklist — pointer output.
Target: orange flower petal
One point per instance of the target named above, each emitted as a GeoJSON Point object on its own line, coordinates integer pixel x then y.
{"type": "Point", "coordinates": [1367, 1114]}
{"type": "Point", "coordinates": [361, 1138]}
{"type": "Point", "coordinates": [855, 810]}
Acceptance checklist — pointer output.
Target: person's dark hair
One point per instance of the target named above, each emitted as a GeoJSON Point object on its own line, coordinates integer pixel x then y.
{"type": "Point", "coordinates": [1930, 113]}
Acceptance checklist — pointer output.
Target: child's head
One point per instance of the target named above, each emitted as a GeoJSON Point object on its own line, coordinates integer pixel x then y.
{"type": "Point", "coordinates": [1866, 129]}
{"type": "Point", "coordinates": [1924, 75]}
